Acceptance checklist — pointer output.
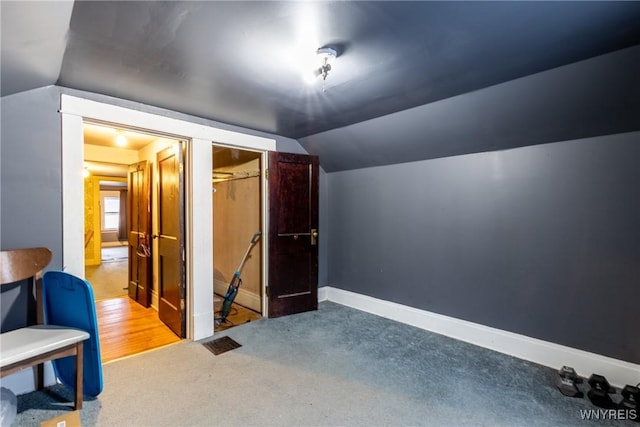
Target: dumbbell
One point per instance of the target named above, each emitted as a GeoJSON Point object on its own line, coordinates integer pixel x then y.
{"type": "Point", "coordinates": [600, 390]}
{"type": "Point", "coordinates": [631, 400]}
{"type": "Point", "coordinates": [567, 380]}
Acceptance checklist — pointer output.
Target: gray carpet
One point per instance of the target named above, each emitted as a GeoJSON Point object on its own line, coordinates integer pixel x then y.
{"type": "Point", "coordinates": [333, 367]}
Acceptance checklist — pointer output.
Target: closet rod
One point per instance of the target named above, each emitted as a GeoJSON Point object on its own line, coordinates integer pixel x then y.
{"type": "Point", "coordinates": [236, 176]}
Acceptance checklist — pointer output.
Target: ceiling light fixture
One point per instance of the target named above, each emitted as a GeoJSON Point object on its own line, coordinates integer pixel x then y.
{"type": "Point", "coordinates": [121, 140]}
{"type": "Point", "coordinates": [325, 56]}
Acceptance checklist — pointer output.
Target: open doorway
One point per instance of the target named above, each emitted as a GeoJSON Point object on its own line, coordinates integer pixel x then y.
{"type": "Point", "coordinates": [106, 252]}
{"type": "Point", "coordinates": [237, 219]}
{"type": "Point", "coordinates": [120, 253]}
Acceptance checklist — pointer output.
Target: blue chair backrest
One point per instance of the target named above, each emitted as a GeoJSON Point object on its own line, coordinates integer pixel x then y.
{"type": "Point", "coordinates": [68, 301]}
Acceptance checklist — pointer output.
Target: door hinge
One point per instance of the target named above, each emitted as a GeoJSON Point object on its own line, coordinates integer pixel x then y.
{"type": "Point", "coordinates": [266, 290]}
{"type": "Point", "coordinates": [181, 304]}
{"type": "Point", "coordinates": [266, 174]}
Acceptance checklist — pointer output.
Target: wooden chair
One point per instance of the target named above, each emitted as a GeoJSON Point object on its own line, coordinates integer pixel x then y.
{"type": "Point", "coordinates": [33, 345]}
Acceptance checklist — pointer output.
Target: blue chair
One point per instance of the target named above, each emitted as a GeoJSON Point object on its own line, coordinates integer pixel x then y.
{"type": "Point", "coordinates": [24, 347]}
{"type": "Point", "coordinates": [68, 301]}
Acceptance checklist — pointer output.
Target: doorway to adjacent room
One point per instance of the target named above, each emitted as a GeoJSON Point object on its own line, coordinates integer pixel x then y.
{"type": "Point", "coordinates": [121, 249]}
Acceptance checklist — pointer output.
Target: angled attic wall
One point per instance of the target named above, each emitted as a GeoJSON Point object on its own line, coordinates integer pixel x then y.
{"type": "Point", "coordinates": [34, 39]}
{"type": "Point", "coordinates": [542, 241]}
{"type": "Point", "coordinates": [598, 96]}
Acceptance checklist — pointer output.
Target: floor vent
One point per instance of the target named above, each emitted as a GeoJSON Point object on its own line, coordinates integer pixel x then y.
{"type": "Point", "coordinates": [221, 345]}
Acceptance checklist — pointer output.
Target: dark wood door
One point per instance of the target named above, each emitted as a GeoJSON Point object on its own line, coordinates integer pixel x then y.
{"type": "Point", "coordinates": [139, 232]}
{"type": "Point", "coordinates": [293, 233]}
{"type": "Point", "coordinates": [170, 234]}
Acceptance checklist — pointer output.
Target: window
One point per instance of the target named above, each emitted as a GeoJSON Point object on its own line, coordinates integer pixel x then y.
{"type": "Point", "coordinates": [111, 213]}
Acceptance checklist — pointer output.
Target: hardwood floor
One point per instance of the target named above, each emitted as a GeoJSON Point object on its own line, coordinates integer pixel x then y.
{"type": "Point", "coordinates": [126, 328]}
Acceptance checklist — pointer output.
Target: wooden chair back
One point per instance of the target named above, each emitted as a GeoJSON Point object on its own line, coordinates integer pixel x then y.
{"type": "Point", "coordinates": [20, 264]}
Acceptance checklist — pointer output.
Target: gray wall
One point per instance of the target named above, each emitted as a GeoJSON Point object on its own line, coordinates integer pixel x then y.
{"type": "Point", "coordinates": [543, 241]}
{"type": "Point", "coordinates": [30, 189]}
{"type": "Point", "coordinates": [31, 180]}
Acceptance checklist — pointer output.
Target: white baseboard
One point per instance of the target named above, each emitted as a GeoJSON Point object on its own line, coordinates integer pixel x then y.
{"type": "Point", "coordinates": [244, 297]}
{"type": "Point", "coordinates": [617, 372]}
{"type": "Point", "coordinates": [203, 325]}
{"type": "Point", "coordinates": [323, 293]}
{"type": "Point", "coordinates": [155, 299]}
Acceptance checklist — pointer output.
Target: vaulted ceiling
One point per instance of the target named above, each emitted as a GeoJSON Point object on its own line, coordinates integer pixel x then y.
{"type": "Point", "coordinates": [238, 62]}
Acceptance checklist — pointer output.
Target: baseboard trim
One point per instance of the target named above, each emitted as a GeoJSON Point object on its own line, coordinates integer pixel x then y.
{"type": "Point", "coordinates": [617, 372]}
{"type": "Point", "coordinates": [155, 299]}
{"type": "Point", "coordinates": [323, 293]}
{"type": "Point", "coordinates": [202, 325]}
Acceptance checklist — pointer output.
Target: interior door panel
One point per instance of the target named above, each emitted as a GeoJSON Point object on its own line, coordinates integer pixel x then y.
{"type": "Point", "coordinates": [293, 233]}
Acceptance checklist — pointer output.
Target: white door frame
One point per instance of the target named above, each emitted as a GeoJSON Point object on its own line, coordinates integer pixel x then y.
{"type": "Point", "coordinates": [198, 197]}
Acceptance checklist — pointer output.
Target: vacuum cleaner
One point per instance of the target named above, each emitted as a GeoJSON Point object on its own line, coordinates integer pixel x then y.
{"type": "Point", "coordinates": [235, 283]}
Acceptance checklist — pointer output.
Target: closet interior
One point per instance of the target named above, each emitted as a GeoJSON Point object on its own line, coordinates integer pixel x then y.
{"type": "Point", "coordinates": [237, 217]}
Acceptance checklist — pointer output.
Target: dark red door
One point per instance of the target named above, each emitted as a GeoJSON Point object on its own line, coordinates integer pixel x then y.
{"type": "Point", "coordinates": [139, 226]}
{"type": "Point", "coordinates": [293, 233]}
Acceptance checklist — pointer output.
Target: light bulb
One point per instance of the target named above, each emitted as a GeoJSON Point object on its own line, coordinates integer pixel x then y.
{"type": "Point", "coordinates": [121, 140]}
